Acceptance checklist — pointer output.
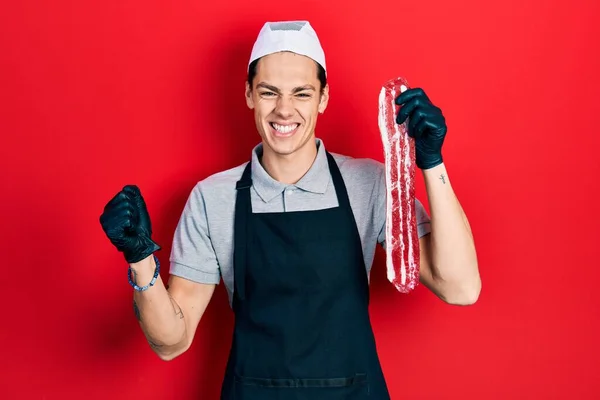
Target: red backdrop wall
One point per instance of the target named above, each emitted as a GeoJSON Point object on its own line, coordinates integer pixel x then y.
{"type": "Point", "coordinates": [96, 95]}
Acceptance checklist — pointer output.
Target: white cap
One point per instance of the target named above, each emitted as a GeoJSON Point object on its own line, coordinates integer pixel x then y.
{"type": "Point", "coordinates": [296, 36]}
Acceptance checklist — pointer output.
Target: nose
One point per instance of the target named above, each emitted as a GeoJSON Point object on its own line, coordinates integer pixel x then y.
{"type": "Point", "coordinates": [284, 107]}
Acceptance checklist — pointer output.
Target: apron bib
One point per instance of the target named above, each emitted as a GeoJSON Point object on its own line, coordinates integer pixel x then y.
{"type": "Point", "coordinates": [301, 296]}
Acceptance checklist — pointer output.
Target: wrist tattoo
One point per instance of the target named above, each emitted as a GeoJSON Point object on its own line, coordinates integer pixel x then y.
{"type": "Point", "coordinates": [443, 179]}
{"type": "Point", "coordinates": [136, 310]}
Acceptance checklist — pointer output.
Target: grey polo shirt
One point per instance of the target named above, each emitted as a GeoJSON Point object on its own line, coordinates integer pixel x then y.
{"type": "Point", "coordinates": [202, 249]}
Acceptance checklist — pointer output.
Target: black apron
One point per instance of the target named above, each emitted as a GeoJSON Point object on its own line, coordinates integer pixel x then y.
{"type": "Point", "coordinates": [301, 296]}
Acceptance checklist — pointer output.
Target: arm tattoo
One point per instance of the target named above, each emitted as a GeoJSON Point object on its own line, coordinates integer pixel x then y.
{"type": "Point", "coordinates": [136, 310]}
{"type": "Point", "coordinates": [443, 179]}
{"type": "Point", "coordinates": [154, 345]}
{"type": "Point", "coordinates": [178, 310]}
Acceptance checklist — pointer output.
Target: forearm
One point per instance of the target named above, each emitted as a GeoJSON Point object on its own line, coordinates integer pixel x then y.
{"type": "Point", "coordinates": [159, 315]}
{"type": "Point", "coordinates": [453, 257]}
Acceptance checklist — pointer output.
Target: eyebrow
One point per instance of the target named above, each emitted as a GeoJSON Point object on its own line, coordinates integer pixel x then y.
{"type": "Point", "coordinates": [275, 89]}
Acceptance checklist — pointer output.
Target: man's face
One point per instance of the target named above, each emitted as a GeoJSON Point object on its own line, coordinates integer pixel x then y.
{"type": "Point", "coordinates": [286, 100]}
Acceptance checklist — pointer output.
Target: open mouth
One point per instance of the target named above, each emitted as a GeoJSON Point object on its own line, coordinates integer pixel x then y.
{"type": "Point", "coordinates": [284, 130]}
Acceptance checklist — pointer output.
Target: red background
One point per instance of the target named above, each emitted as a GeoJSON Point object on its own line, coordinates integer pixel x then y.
{"type": "Point", "coordinates": [95, 95]}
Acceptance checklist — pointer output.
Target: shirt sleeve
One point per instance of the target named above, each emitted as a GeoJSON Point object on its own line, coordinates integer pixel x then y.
{"type": "Point", "coordinates": [192, 254]}
{"type": "Point", "coordinates": [422, 218]}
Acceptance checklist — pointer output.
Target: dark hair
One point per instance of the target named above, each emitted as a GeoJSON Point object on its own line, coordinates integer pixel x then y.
{"type": "Point", "coordinates": [320, 73]}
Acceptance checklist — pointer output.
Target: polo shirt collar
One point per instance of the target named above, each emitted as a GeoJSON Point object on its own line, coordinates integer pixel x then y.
{"type": "Point", "coordinates": [315, 180]}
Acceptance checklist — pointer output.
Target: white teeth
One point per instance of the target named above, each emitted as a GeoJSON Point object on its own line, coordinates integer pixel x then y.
{"type": "Point", "coordinates": [284, 128]}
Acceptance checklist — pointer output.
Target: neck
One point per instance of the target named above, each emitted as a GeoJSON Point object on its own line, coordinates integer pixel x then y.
{"type": "Point", "coordinates": [289, 168]}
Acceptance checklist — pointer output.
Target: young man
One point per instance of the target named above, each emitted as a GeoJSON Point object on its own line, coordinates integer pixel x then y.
{"type": "Point", "coordinates": [292, 234]}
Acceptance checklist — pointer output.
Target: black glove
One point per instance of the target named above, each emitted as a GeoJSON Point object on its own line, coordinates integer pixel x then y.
{"type": "Point", "coordinates": [126, 222]}
{"type": "Point", "coordinates": [426, 125]}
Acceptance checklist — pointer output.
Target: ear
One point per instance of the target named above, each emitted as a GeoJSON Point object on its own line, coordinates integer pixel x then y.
{"type": "Point", "coordinates": [324, 99]}
{"type": "Point", "coordinates": [249, 100]}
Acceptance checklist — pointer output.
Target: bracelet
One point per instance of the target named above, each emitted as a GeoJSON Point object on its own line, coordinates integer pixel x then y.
{"type": "Point", "coordinates": [152, 282]}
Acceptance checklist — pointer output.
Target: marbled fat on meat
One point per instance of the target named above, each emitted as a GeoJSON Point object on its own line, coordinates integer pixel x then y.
{"type": "Point", "coordinates": [401, 236]}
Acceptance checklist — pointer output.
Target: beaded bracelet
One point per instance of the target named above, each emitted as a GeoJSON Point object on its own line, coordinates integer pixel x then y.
{"type": "Point", "coordinates": [156, 272]}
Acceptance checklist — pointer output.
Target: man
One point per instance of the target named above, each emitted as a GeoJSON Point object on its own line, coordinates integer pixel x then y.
{"type": "Point", "coordinates": [292, 234]}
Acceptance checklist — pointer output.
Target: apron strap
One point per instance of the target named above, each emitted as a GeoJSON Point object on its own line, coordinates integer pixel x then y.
{"type": "Point", "coordinates": [344, 204]}
{"type": "Point", "coordinates": [340, 187]}
{"type": "Point", "coordinates": [243, 208]}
